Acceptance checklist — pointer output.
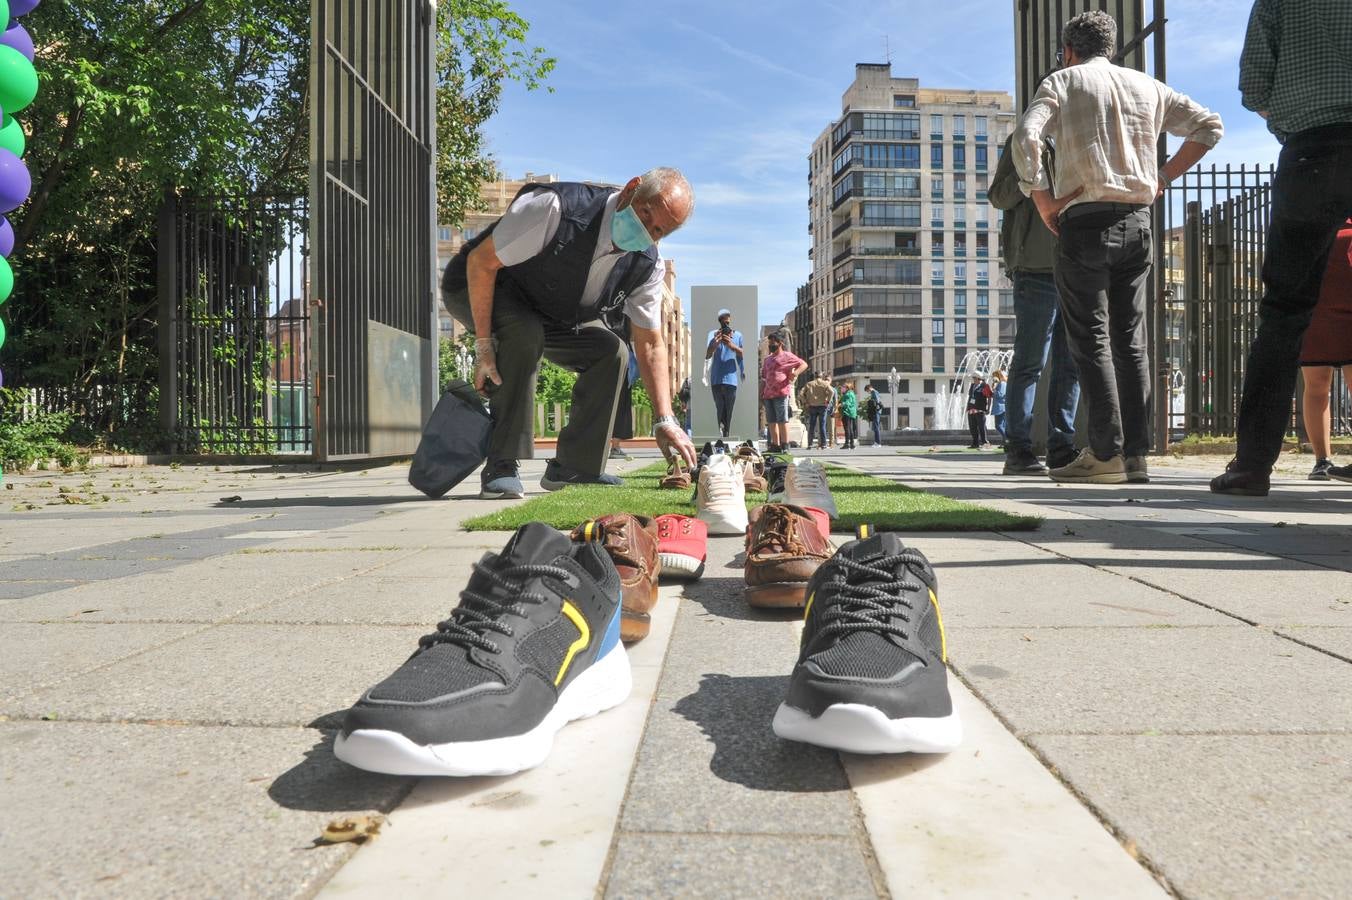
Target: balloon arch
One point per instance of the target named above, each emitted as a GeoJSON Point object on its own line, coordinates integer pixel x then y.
{"type": "Point", "coordinates": [18, 87]}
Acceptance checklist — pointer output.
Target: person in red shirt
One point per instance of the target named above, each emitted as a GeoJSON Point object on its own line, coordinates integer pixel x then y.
{"type": "Point", "coordinates": [1327, 346]}
{"type": "Point", "coordinates": [778, 371]}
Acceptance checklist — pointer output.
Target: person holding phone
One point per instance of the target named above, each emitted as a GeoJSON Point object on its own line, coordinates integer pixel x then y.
{"type": "Point", "coordinates": [724, 368]}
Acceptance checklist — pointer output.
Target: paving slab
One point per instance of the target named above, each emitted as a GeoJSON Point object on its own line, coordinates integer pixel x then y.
{"type": "Point", "coordinates": [1224, 816]}
{"type": "Point", "coordinates": [1337, 641]}
{"type": "Point", "coordinates": [1155, 680]}
{"type": "Point", "coordinates": [368, 599]}
{"type": "Point", "coordinates": [35, 655]}
{"type": "Point", "coordinates": [235, 675]}
{"type": "Point", "coordinates": [209, 590]}
{"type": "Point", "coordinates": [158, 811]}
{"type": "Point", "coordinates": [737, 865]}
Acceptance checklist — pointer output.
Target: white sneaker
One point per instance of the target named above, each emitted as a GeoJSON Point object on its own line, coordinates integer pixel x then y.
{"type": "Point", "coordinates": [1089, 469]}
{"type": "Point", "coordinates": [720, 499]}
{"type": "Point", "coordinates": [805, 485]}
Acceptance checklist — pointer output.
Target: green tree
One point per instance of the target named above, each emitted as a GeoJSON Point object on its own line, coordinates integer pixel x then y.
{"type": "Point", "coordinates": [482, 46]}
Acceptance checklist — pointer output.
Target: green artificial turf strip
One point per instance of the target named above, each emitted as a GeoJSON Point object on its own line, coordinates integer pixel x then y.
{"type": "Point", "coordinates": [860, 499]}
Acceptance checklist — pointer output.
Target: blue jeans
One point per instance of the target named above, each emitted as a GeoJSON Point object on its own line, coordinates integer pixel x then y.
{"type": "Point", "coordinates": [1040, 333]}
{"type": "Point", "coordinates": [816, 425]}
{"type": "Point", "coordinates": [1311, 197]}
{"type": "Point", "coordinates": [877, 424]}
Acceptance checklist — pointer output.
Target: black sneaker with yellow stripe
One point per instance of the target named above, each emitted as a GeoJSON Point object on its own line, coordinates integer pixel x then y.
{"type": "Point", "coordinates": [533, 645]}
{"type": "Point", "coordinates": [871, 674]}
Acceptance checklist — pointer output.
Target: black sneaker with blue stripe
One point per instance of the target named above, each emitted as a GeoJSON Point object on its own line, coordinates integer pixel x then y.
{"type": "Point", "coordinates": [871, 675]}
{"type": "Point", "coordinates": [533, 645]}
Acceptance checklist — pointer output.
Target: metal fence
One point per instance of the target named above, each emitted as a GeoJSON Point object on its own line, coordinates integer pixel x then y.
{"type": "Point", "coordinates": [1208, 286]}
{"type": "Point", "coordinates": [234, 325]}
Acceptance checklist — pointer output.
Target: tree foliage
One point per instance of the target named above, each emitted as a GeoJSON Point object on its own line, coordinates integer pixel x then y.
{"type": "Point", "coordinates": [482, 46]}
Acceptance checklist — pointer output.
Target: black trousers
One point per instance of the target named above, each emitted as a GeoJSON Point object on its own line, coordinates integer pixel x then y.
{"type": "Point", "coordinates": [1311, 198]}
{"type": "Point", "coordinates": [851, 430]}
{"type": "Point", "coordinates": [725, 397]}
{"type": "Point", "coordinates": [524, 336]}
{"type": "Point", "coordinates": [1102, 276]}
{"type": "Point", "coordinates": [976, 424]}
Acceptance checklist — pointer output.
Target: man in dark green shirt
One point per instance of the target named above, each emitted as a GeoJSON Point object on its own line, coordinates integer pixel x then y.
{"type": "Point", "coordinates": [1295, 72]}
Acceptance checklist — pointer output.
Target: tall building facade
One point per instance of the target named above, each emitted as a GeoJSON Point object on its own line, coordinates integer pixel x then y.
{"type": "Point", "coordinates": [497, 197]}
{"type": "Point", "coordinates": [905, 255]}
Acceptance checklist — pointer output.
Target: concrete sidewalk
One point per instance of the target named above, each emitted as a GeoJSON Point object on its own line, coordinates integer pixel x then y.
{"type": "Point", "coordinates": [1155, 687]}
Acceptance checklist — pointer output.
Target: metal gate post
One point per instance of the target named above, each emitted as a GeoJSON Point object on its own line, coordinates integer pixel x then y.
{"type": "Point", "coordinates": [166, 252]}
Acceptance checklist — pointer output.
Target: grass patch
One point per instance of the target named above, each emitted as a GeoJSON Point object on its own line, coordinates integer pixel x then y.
{"type": "Point", "coordinates": [860, 499]}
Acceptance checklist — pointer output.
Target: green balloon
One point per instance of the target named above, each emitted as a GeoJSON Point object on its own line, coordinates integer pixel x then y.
{"type": "Point", "coordinates": [6, 279]}
{"type": "Point", "coordinates": [12, 137]}
{"type": "Point", "coordinates": [18, 80]}
{"type": "Point", "coordinates": [2, 332]}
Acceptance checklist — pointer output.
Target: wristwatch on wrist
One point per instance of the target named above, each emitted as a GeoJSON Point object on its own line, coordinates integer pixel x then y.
{"type": "Point", "coordinates": [666, 420]}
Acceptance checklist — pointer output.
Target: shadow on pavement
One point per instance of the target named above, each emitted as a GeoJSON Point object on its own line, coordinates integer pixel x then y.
{"type": "Point", "coordinates": [274, 502]}
{"type": "Point", "coordinates": [323, 783]}
{"type": "Point", "coordinates": [723, 597]}
{"type": "Point", "coordinates": [735, 713]}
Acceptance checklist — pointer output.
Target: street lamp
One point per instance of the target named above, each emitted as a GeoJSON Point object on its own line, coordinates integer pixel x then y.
{"type": "Point", "coordinates": [892, 387]}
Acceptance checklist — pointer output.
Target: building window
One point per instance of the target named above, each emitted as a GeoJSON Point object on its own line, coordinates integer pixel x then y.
{"type": "Point", "coordinates": [892, 126]}
{"type": "Point", "coordinates": [982, 183]}
{"type": "Point", "coordinates": [937, 271]}
{"type": "Point", "coordinates": [873, 301]}
{"type": "Point", "coordinates": [929, 418]}
{"type": "Point", "coordinates": [983, 244]}
{"type": "Point", "coordinates": [959, 186]}
{"type": "Point", "coordinates": [960, 274]}
{"type": "Point", "coordinates": [890, 214]}
{"type": "Point", "coordinates": [937, 359]}
{"type": "Point", "coordinates": [929, 386]}
{"type": "Point", "coordinates": [983, 303]}
{"type": "Point", "coordinates": [983, 331]}
{"type": "Point", "coordinates": [936, 126]}
{"type": "Point", "coordinates": [1006, 303]}
{"type": "Point", "coordinates": [1007, 331]}
{"type": "Point", "coordinates": [960, 299]}
{"type": "Point", "coordinates": [960, 331]}
{"type": "Point", "coordinates": [937, 331]}
{"type": "Point", "coordinates": [959, 156]}
{"type": "Point", "coordinates": [469, 233]}
{"type": "Point", "coordinates": [936, 156]}
{"type": "Point", "coordinates": [983, 273]}
{"type": "Point", "coordinates": [937, 302]}
{"type": "Point", "coordinates": [936, 215]}
{"type": "Point", "coordinates": [980, 128]}
{"type": "Point", "coordinates": [937, 187]}
{"type": "Point", "coordinates": [981, 157]}
{"type": "Point", "coordinates": [959, 127]}
{"type": "Point", "coordinates": [903, 101]}
{"type": "Point", "coordinates": [443, 233]}
{"type": "Point", "coordinates": [960, 244]}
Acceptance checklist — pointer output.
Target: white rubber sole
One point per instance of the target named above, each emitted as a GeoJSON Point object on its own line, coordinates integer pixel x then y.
{"type": "Point", "coordinates": [719, 525]}
{"type": "Point", "coordinates": [502, 495]}
{"type": "Point", "coordinates": [1105, 478]}
{"type": "Point", "coordinates": [856, 728]}
{"type": "Point", "coordinates": [606, 684]}
{"type": "Point", "coordinates": [678, 565]}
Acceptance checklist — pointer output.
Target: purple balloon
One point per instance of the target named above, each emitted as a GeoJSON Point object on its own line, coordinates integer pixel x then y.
{"type": "Point", "coordinates": [15, 182]}
{"type": "Point", "coordinates": [16, 36]}
{"type": "Point", "coordinates": [21, 7]}
{"type": "Point", "coordinates": [6, 237]}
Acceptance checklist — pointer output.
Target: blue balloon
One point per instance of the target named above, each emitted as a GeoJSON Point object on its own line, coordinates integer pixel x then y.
{"type": "Point", "coordinates": [15, 182]}
{"type": "Point", "coordinates": [22, 7]}
{"type": "Point", "coordinates": [6, 237]}
{"type": "Point", "coordinates": [17, 36]}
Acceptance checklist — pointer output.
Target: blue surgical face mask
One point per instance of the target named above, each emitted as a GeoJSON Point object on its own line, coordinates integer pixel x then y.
{"type": "Point", "coordinates": [627, 231]}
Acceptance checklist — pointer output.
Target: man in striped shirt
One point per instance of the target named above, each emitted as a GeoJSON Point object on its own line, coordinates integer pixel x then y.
{"type": "Point", "coordinates": [1105, 121]}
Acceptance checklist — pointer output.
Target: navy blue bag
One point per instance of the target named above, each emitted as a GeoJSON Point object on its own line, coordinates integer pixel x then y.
{"type": "Point", "coordinates": [454, 440]}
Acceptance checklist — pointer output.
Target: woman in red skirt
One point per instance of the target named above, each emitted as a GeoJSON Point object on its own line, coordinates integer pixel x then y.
{"type": "Point", "coordinates": [1328, 345]}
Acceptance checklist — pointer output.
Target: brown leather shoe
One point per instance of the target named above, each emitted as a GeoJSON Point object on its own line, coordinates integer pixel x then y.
{"type": "Point", "coordinates": [677, 476]}
{"type": "Point", "coordinates": [784, 546]}
{"type": "Point", "coordinates": [753, 481]}
{"type": "Point", "coordinates": [631, 543]}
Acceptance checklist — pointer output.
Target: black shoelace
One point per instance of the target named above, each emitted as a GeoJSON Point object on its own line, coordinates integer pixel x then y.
{"type": "Point", "coordinates": [480, 614]}
{"type": "Point", "coordinates": [870, 603]}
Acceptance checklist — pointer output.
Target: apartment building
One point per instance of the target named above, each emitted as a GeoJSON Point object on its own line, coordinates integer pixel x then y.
{"type": "Point", "coordinates": [905, 255]}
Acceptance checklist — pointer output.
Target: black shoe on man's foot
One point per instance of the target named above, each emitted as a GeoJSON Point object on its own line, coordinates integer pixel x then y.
{"type": "Point", "coordinates": [1320, 472]}
{"type": "Point", "coordinates": [1244, 482]}
{"type": "Point", "coordinates": [500, 481]}
{"type": "Point", "coordinates": [1023, 462]}
{"type": "Point", "coordinates": [1341, 473]}
{"type": "Point", "coordinates": [870, 676]}
{"type": "Point", "coordinates": [557, 476]}
{"type": "Point", "coordinates": [533, 645]}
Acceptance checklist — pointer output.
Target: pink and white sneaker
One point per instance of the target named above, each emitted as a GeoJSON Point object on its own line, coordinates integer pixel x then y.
{"type": "Point", "coordinates": [682, 545]}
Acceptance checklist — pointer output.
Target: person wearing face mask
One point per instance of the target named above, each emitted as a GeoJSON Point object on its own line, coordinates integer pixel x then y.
{"type": "Point", "coordinates": [542, 282]}
{"type": "Point", "coordinates": [778, 370]}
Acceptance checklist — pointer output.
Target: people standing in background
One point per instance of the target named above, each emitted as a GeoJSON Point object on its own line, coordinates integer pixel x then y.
{"type": "Point", "coordinates": [873, 411]}
{"type": "Point", "coordinates": [815, 398]}
{"type": "Point", "coordinates": [833, 415]}
{"type": "Point", "coordinates": [978, 403]}
{"type": "Point", "coordinates": [1327, 346]}
{"type": "Point", "coordinates": [1105, 121]}
{"type": "Point", "coordinates": [849, 414]}
{"type": "Point", "coordinates": [998, 403]}
{"type": "Point", "coordinates": [725, 368]}
{"type": "Point", "coordinates": [1029, 251]}
{"type": "Point", "coordinates": [778, 370]}
{"type": "Point", "coordinates": [1295, 72]}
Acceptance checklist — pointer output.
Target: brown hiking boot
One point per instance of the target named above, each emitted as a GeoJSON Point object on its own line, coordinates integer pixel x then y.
{"type": "Point", "coordinates": [631, 543]}
{"type": "Point", "coordinates": [784, 546]}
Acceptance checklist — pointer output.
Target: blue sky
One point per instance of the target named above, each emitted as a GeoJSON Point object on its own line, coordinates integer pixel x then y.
{"type": "Point", "coordinates": [734, 94]}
